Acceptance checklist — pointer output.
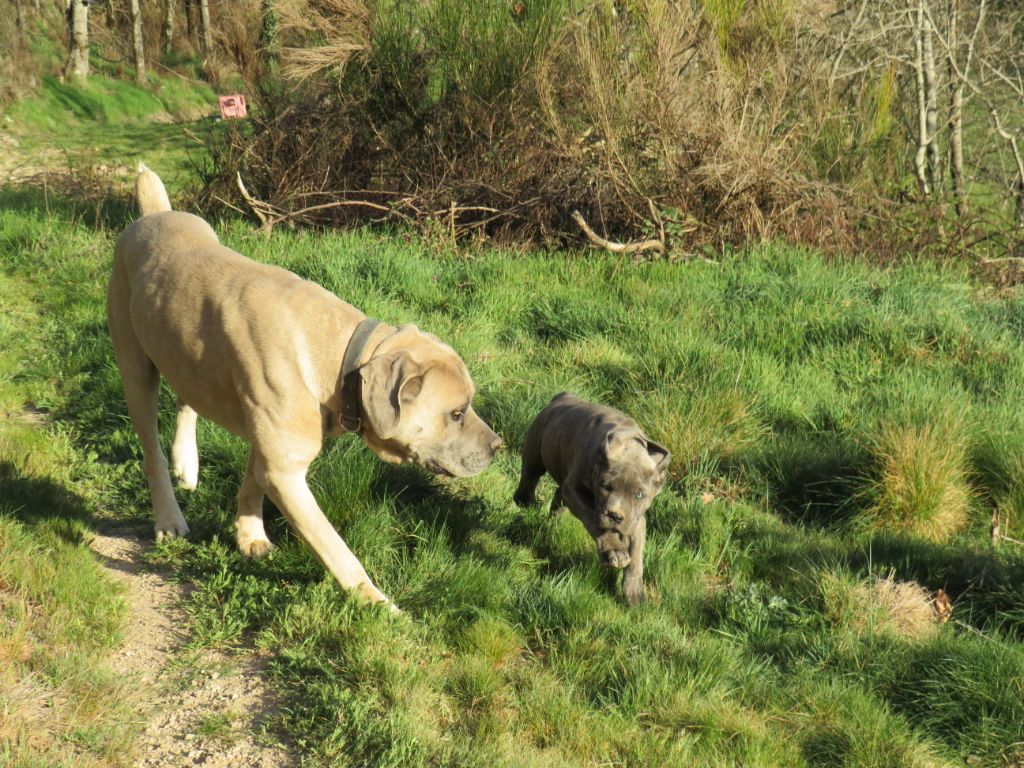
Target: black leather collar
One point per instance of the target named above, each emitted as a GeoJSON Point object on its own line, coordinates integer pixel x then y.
{"type": "Point", "coordinates": [351, 418]}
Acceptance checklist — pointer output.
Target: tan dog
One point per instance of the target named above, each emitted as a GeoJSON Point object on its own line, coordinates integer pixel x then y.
{"type": "Point", "coordinates": [607, 472]}
{"type": "Point", "coordinates": [281, 362]}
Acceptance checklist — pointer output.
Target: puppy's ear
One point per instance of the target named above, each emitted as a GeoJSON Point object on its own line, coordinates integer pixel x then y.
{"type": "Point", "coordinates": [661, 458]}
{"type": "Point", "coordinates": [389, 382]}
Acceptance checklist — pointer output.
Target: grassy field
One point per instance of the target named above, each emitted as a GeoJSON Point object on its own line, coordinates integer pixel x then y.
{"type": "Point", "coordinates": [841, 438]}
{"type": "Point", "coordinates": [61, 701]}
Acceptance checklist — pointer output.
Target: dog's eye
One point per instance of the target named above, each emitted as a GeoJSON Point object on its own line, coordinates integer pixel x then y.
{"type": "Point", "coordinates": [607, 487]}
{"type": "Point", "coordinates": [639, 495]}
{"type": "Point", "coordinates": [457, 416]}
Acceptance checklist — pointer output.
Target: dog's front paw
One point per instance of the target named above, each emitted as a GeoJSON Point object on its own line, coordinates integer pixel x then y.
{"type": "Point", "coordinates": [617, 558]}
{"type": "Point", "coordinates": [171, 527]}
{"type": "Point", "coordinates": [633, 592]}
{"type": "Point", "coordinates": [557, 505]}
{"type": "Point", "coordinates": [255, 547]}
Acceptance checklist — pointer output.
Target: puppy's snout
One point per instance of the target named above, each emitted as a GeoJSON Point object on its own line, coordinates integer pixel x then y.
{"type": "Point", "coordinates": [615, 517]}
{"type": "Point", "coordinates": [495, 444]}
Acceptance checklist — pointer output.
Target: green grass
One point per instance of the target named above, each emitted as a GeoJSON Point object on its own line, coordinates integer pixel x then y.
{"type": "Point", "coordinates": [773, 377]}
{"type": "Point", "coordinates": [106, 126]}
{"type": "Point", "coordinates": [60, 616]}
{"type": "Point", "coordinates": [824, 418]}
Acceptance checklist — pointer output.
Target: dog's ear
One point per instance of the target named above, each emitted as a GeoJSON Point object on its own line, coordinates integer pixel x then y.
{"type": "Point", "coordinates": [661, 458]}
{"type": "Point", "coordinates": [611, 447]}
{"type": "Point", "coordinates": [389, 382]}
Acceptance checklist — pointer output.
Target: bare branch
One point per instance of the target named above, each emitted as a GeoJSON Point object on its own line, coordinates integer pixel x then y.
{"type": "Point", "coordinates": [634, 247]}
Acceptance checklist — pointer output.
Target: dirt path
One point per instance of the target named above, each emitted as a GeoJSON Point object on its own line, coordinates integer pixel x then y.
{"type": "Point", "coordinates": [205, 709]}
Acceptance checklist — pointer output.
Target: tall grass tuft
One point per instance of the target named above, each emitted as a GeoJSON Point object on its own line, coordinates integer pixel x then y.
{"type": "Point", "coordinates": [921, 485]}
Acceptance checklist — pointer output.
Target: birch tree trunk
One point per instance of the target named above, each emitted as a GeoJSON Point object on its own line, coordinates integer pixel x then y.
{"type": "Point", "coordinates": [931, 105]}
{"type": "Point", "coordinates": [77, 64]}
{"type": "Point", "coordinates": [204, 20]}
{"type": "Point", "coordinates": [956, 111]}
{"type": "Point", "coordinates": [168, 25]}
{"type": "Point", "coordinates": [920, 157]}
{"type": "Point", "coordinates": [138, 49]}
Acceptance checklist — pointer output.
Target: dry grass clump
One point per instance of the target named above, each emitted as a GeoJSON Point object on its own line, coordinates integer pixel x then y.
{"type": "Point", "coordinates": [921, 484]}
{"type": "Point", "coordinates": [688, 123]}
{"type": "Point", "coordinates": [900, 609]}
{"type": "Point", "coordinates": [337, 42]}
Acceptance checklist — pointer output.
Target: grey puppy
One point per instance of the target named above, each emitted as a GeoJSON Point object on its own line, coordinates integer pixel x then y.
{"type": "Point", "coordinates": [607, 471]}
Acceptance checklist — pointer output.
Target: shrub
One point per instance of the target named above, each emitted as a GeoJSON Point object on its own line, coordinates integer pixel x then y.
{"type": "Point", "coordinates": [690, 121]}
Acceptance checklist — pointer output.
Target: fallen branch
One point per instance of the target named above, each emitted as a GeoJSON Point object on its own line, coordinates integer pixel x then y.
{"type": "Point", "coordinates": [639, 246]}
{"type": "Point", "coordinates": [269, 215]}
{"type": "Point", "coordinates": [255, 206]}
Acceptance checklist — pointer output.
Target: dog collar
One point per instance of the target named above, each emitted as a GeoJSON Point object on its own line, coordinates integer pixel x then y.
{"type": "Point", "coordinates": [351, 382]}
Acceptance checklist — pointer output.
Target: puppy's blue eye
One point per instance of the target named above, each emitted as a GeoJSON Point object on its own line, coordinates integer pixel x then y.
{"type": "Point", "coordinates": [457, 416]}
{"type": "Point", "coordinates": [639, 495]}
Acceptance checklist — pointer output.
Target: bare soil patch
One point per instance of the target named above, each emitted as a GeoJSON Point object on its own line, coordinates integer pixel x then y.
{"type": "Point", "coordinates": [202, 708]}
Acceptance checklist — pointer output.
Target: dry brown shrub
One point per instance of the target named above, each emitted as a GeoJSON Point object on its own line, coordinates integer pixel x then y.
{"type": "Point", "coordinates": [342, 27]}
{"type": "Point", "coordinates": [651, 121]}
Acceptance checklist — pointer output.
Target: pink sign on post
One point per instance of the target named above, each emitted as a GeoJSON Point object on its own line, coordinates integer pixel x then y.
{"type": "Point", "coordinates": [232, 106]}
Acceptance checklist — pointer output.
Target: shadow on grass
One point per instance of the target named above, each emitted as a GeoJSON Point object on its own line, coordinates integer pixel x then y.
{"type": "Point", "coordinates": [418, 497]}
{"type": "Point", "coordinates": [985, 585]}
{"type": "Point", "coordinates": [42, 503]}
{"type": "Point", "coordinates": [98, 209]}
{"type": "Point", "coordinates": [815, 482]}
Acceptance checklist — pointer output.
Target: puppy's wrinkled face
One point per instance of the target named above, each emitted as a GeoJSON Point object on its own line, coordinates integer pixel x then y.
{"type": "Point", "coordinates": [419, 405]}
{"type": "Point", "coordinates": [628, 473]}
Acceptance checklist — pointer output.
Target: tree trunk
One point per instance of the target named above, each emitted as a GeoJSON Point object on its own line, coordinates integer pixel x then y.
{"type": "Point", "coordinates": [77, 64]}
{"type": "Point", "coordinates": [956, 111]}
{"type": "Point", "coordinates": [138, 49]}
{"type": "Point", "coordinates": [932, 105]}
{"type": "Point", "coordinates": [21, 23]}
{"type": "Point", "coordinates": [204, 20]}
{"type": "Point", "coordinates": [920, 157]}
{"type": "Point", "coordinates": [169, 25]}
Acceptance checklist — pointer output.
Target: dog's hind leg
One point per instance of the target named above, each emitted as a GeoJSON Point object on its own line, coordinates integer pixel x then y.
{"type": "Point", "coordinates": [250, 535]}
{"type": "Point", "coordinates": [184, 453]}
{"type": "Point", "coordinates": [141, 382]}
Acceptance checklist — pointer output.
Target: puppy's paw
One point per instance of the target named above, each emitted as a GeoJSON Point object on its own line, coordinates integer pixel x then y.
{"type": "Point", "coordinates": [524, 498]}
{"type": "Point", "coordinates": [557, 505]}
{"type": "Point", "coordinates": [633, 592]}
{"type": "Point", "coordinates": [617, 558]}
{"type": "Point", "coordinates": [255, 547]}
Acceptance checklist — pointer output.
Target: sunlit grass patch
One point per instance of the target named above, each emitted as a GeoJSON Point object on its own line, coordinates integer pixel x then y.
{"type": "Point", "coordinates": [767, 375]}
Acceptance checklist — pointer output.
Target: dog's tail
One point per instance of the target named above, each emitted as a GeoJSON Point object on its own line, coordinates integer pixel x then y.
{"type": "Point", "coordinates": [150, 192]}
